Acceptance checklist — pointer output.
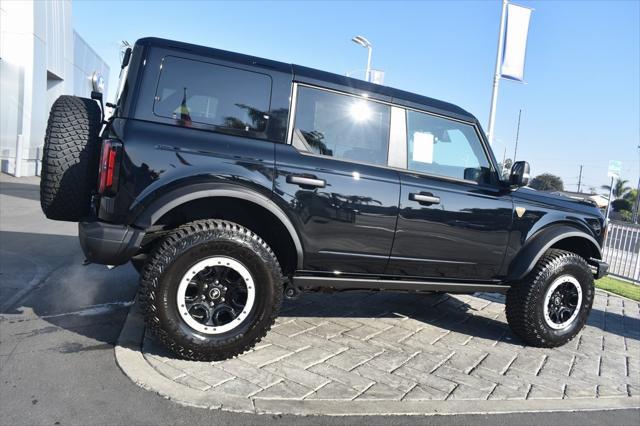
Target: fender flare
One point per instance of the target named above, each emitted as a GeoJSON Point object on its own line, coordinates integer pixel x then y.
{"type": "Point", "coordinates": [166, 202]}
{"type": "Point", "coordinates": [544, 239]}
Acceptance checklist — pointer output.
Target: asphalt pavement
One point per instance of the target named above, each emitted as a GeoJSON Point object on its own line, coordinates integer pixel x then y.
{"type": "Point", "coordinates": [59, 321]}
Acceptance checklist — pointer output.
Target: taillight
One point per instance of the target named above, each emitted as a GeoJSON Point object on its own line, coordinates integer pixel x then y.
{"type": "Point", "coordinates": [108, 178]}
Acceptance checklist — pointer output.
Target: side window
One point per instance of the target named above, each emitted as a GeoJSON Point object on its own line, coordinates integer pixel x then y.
{"type": "Point", "coordinates": [233, 100]}
{"type": "Point", "coordinates": [341, 126]}
{"type": "Point", "coordinates": [445, 147]}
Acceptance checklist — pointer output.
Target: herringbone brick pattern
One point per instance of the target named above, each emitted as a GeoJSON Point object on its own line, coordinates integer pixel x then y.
{"type": "Point", "coordinates": [388, 346]}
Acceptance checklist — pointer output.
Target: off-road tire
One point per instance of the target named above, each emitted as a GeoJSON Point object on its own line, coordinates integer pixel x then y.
{"type": "Point", "coordinates": [183, 248]}
{"type": "Point", "coordinates": [525, 299]}
{"type": "Point", "coordinates": [70, 158]}
{"type": "Point", "coordinates": [138, 263]}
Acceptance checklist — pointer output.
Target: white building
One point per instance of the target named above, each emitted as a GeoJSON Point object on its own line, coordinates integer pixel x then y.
{"type": "Point", "coordinates": [41, 58]}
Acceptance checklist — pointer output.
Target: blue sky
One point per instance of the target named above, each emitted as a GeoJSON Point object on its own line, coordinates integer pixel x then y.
{"type": "Point", "coordinates": [581, 100]}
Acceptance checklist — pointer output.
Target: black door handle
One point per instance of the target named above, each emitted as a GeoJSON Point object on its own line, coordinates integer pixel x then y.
{"type": "Point", "coordinates": [424, 198]}
{"type": "Point", "coordinates": [306, 181]}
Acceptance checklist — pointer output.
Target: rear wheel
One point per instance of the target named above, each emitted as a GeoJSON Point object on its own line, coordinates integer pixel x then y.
{"type": "Point", "coordinates": [211, 290]}
{"type": "Point", "coordinates": [138, 263]}
{"type": "Point", "coordinates": [70, 158]}
{"type": "Point", "coordinates": [551, 305]}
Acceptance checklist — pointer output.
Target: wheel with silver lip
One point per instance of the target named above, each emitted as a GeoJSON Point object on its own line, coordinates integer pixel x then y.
{"type": "Point", "coordinates": [211, 290]}
{"type": "Point", "coordinates": [551, 305]}
{"type": "Point", "coordinates": [561, 302]}
{"type": "Point", "coordinates": [216, 295]}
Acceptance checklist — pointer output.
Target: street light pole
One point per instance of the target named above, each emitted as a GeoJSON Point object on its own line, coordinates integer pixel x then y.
{"type": "Point", "coordinates": [365, 43]}
{"type": "Point", "coordinates": [606, 216]}
{"type": "Point", "coordinates": [369, 63]}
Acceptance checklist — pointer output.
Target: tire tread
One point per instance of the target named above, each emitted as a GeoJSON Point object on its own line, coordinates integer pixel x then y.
{"type": "Point", "coordinates": [70, 158]}
{"type": "Point", "coordinates": [169, 249]}
{"type": "Point", "coordinates": [523, 296]}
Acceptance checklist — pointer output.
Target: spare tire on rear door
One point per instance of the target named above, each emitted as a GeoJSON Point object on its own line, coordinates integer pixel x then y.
{"type": "Point", "coordinates": [70, 158]}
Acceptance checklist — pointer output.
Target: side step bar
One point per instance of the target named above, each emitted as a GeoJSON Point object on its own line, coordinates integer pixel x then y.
{"type": "Point", "coordinates": [381, 284]}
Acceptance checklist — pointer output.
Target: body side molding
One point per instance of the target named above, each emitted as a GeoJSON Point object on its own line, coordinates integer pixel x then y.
{"type": "Point", "coordinates": [386, 284]}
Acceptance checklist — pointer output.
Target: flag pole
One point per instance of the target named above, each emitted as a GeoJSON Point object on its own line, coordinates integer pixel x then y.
{"type": "Point", "coordinates": [496, 76]}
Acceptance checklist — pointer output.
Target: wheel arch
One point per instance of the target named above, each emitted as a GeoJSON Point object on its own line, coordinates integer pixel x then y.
{"type": "Point", "coordinates": [563, 237]}
{"type": "Point", "coordinates": [185, 196]}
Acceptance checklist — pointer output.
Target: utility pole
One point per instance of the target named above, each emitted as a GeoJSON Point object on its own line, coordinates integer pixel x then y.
{"type": "Point", "coordinates": [580, 177]}
{"type": "Point", "coordinates": [515, 151]}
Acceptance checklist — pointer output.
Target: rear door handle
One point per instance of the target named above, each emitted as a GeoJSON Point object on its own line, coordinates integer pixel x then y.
{"type": "Point", "coordinates": [306, 181]}
{"type": "Point", "coordinates": [424, 198]}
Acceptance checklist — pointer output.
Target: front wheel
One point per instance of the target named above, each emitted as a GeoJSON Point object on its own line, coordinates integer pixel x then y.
{"type": "Point", "coordinates": [211, 290]}
{"type": "Point", "coordinates": [551, 306]}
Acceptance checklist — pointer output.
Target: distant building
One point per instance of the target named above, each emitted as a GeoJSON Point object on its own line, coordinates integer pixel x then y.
{"type": "Point", "coordinates": [599, 200]}
{"type": "Point", "coordinates": [41, 58]}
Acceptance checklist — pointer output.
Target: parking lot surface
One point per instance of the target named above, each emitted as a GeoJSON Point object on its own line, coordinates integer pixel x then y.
{"type": "Point", "coordinates": [406, 353]}
{"type": "Point", "coordinates": [60, 322]}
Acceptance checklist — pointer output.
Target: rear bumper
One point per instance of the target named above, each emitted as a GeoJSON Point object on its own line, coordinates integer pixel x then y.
{"type": "Point", "coordinates": [600, 268]}
{"type": "Point", "coordinates": [109, 244]}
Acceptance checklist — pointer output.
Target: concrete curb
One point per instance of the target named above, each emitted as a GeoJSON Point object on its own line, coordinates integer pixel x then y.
{"type": "Point", "coordinates": [616, 295]}
{"type": "Point", "coordinates": [130, 359]}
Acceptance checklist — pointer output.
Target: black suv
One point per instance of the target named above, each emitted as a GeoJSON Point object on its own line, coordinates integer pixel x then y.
{"type": "Point", "coordinates": [230, 181]}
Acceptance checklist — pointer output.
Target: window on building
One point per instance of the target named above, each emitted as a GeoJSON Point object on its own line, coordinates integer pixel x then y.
{"type": "Point", "coordinates": [341, 126]}
{"type": "Point", "coordinates": [445, 147]}
{"type": "Point", "coordinates": [231, 99]}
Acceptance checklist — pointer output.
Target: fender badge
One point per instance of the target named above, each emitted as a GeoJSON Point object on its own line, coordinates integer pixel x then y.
{"type": "Point", "coordinates": [520, 211]}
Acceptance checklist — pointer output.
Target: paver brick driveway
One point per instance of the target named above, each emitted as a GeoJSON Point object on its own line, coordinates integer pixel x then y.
{"type": "Point", "coordinates": [410, 347]}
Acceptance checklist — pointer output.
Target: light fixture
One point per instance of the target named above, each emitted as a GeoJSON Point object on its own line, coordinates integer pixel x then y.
{"type": "Point", "coordinates": [361, 41]}
{"type": "Point", "coordinates": [97, 82]}
{"type": "Point", "coordinates": [367, 45]}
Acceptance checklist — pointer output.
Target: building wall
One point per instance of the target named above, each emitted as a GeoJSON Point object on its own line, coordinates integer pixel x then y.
{"type": "Point", "coordinates": [85, 62]}
{"type": "Point", "coordinates": [41, 58]}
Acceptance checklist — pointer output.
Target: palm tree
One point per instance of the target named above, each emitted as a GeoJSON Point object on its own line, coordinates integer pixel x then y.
{"type": "Point", "coordinates": [620, 188]}
{"type": "Point", "coordinates": [631, 196]}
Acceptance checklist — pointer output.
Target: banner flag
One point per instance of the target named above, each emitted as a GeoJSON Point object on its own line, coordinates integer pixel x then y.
{"type": "Point", "coordinates": [515, 45]}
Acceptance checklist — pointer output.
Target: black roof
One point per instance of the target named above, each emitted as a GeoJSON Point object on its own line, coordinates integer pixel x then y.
{"type": "Point", "coordinates": [313, 75]}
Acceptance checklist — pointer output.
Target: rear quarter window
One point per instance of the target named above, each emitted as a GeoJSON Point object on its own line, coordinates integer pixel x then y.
{"type": "Point", "coordinates": [229, 99]}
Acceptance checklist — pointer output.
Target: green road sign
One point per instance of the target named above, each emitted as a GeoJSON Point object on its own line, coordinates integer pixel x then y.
{"type": "Point", "coordinates": [615, 167]}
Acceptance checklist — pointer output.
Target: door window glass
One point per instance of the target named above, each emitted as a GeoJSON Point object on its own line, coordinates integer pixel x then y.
{"type": "Point", "coordinates": [445, 147]}
{"type": "Point", "coordinates": [231, 99]}
{"type": "Point", "coordinates": [341, 126]}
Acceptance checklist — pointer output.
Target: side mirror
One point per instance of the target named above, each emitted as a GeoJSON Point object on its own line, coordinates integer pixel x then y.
{"type": "Point", "coordinates": [519, 174]}
{"type": "Point", "coordinates": [125, 58]}
{"type": "Point", "coordinates": [472, 173]}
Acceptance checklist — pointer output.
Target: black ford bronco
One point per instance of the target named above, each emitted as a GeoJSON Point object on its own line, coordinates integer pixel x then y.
{"type": "Point", "coordinates": [232, 181]}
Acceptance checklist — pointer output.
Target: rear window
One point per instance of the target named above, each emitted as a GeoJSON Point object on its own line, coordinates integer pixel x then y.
{"type": "Point", "coordinates": [231, 99]}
